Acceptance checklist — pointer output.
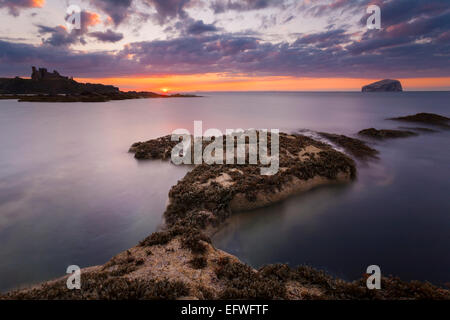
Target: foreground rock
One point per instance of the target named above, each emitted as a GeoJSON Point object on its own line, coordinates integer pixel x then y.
{"type": "Point", "coordinates": [386, 133]}
{"type": "Point", "coordinates": [173, 271]}
{"type": "Point", "coordinates": [386, 85]}
{"type": "Point", "coordinates": [426, 118]}
{"type": "Point", "coordinates": [180, 262]}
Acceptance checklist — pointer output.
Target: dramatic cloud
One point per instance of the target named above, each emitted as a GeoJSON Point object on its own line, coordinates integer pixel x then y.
{"type": "Point", "coordinates": [199, 27]}
{"type": "Point", "coordinates": [416, 45]}
{"type": "Point", "coordinates": [166, 9]}
{"type": "Point", "coordinates": [14, 6]}
{"type": "Point", "coordinates": [220, 6]}
{"type": "Point", "coordinates": [324, 39]}
{"type": "Point", "coordinates": [108, 36]}
{"type": "Point", "coordinates": [60, 36]}
{"type": "Point", "coordinates": [118, 10]}
{"type": "Point", "coordinates": [406, 22]}
{"type": "Point", "coordinates": [16, 59]}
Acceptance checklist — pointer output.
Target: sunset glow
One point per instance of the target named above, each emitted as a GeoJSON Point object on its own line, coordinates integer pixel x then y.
{"type": "Point", "coordinates": [38, 3]}
{"type": "Point", "coordinates": [186, 46]}
{"type": "Point", "coordinates": [219, 82]}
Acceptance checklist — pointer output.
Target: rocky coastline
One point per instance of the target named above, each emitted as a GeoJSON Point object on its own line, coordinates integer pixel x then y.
{"type": "Point", "coordinates": [44, 86]}
{"type": "Point", "coordinates": [180, 262]}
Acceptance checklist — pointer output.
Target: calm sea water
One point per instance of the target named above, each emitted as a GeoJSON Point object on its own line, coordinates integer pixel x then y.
{"type": "Point", "coordinates": [71, 194]}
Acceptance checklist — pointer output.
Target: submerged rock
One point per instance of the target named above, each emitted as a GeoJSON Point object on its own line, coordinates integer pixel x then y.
{"type": "Point", "coordinates": [355, 147]}
{"type": "Point", "coordinates": [420, 129]}
{"type": "Point", "coordinates": [303, 164]}
{"type": "Point", "coordinates": [427, 118]}
{"type": "Point", "coordinates": [386, 85]}
{"type": "Point", "coordinates": [386, 133]}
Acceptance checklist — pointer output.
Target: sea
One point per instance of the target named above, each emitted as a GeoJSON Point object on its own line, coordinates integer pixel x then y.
{"type": "Point", "coordinates": [71, 194]}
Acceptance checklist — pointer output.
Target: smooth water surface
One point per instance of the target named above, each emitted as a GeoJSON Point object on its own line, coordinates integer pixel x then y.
{"type": "Point", "coordinates": [70, 193]}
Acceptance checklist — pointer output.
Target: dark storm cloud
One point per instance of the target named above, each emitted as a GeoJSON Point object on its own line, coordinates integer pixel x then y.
{"type": "Point", "coordinates": [107, 36]}
{"type": "Point", "coordinates": [14, 6]}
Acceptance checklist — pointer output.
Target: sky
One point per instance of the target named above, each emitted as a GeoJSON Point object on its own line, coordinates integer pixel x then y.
{"type": "Point", "coordinates": [230, 45]}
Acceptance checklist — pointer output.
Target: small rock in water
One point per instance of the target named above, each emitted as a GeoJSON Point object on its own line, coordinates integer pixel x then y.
{"type": "Point", "coordinates": [386, 85]}
{"type": "Point", "coordinates": [386, 134]}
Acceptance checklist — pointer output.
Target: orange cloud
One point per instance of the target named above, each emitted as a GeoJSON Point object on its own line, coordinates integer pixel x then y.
{"type": "Point", "coordinates": [91, 19]}
{"type": "Point", "coordinates": [220, 82]}
{"type": "Point", "coordinates": [37, 3]}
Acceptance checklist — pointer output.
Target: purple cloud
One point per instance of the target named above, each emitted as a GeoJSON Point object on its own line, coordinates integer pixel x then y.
{"type": "Point", "coordinates": [107, 36]}
{"type": "Point", "coordinates": [117, 10]}
{"type": "Point", "coordinates": [199, 27]}
{"type": "Point", "coordinates": [61, 36]}
{"type": "Point", "coordinates": [412, 47]}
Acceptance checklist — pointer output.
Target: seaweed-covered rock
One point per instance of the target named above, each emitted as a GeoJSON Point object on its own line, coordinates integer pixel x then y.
{"type": "Point", "coordinates": [159, 148]}
{"type": "Point", "coordinates": [180, 261]}
{"type": "Point", "coordinates": [386, 133]}
{"type": "Point", "coordinates": [420, 129]}
{"type": "Point", "coordinates": [220, 189]}
{"type": "Point", "coordinates": [427, 118]}
{"type": "Point", "coordinates": [355, 147]}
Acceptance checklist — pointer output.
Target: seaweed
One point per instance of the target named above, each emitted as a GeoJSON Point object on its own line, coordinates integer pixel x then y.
{"type": "Point", "coordinates": [242, 282]}
{"type": "Point", "coordinates": [101, 286]}
{"type": "Point", "coordinates": [195, 242]}
{"type": "Point", "coordinates": [199, 262]}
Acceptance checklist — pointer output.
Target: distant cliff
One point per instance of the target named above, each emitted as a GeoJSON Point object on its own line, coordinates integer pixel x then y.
{"type": "Point", "coordinates": [44, 82]}
{"type": "Point", "coordinates": [386, 85]}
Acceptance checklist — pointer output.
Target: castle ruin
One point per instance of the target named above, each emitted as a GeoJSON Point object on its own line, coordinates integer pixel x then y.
{"type": "Point", "coordinates": [43, 74]}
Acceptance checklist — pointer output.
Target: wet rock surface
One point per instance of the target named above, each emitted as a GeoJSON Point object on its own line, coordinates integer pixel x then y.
{"type": "Point", "coordinates": [426, 118]}
{"type": "Point", "coordinates": [357, 148]}
{"type": "Point", "coordinates": [386, 133]}
{"type": "Point", "coordinates": [419, 129]}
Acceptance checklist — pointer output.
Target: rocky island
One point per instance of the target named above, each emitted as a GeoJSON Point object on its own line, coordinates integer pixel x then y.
{"type": "Point", "coordinates": [180, 262]}
{"type": "Point", "coordinates": [44, 86]}
{"type": "Point", "coordinates": [386, 85]}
